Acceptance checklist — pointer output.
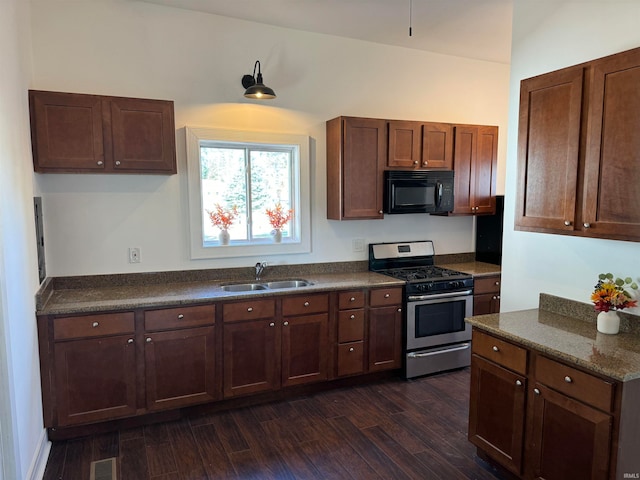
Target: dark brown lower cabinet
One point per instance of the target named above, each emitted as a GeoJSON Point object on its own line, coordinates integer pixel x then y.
{"type": "Point", "coordinates": [95, 379]}
{"type": "Point", "coordinates": [385, 338]}
{"type": "Point", "coordinates": [305, 342]}
{"type": "Point", "coordinates": [180, 367]}
{"type": "Point", "coordinates": [568, 439]}
{"type": "Point", "coordinates": [497, 412]}
{"type": "Point", "coordinates": [251, 357]}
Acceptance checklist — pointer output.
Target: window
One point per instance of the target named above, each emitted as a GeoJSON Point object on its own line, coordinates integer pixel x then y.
{"type": "Point", "coordinates": [244, 176]}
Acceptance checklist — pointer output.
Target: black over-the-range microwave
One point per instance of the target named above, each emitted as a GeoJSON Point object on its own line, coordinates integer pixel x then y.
{"type": "Point", "coordinates": [418, 191]}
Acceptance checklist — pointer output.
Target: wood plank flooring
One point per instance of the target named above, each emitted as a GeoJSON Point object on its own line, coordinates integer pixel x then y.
{"type": "Point", "coordinates": [395, 429]}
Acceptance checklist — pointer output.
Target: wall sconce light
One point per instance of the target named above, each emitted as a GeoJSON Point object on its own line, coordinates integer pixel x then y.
{"type": "Point", "coordinates": [254, 86]}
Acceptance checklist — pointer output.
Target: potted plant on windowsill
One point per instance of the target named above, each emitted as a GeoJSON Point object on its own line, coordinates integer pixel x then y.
{"type": "Point", "coordinates": [609, 296]}
{"type": "Point", "coordinates": [278, 218]}
{"type": "Point", "coordinates": [223, 219]}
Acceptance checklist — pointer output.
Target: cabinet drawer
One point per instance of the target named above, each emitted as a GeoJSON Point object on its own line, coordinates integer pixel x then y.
{"type": "Point", "coordinates": [303, 304]}
{"type": "Point", "coordinates": [385, 296]}
{"type": "Point", "coordinates": [350, 358]}
{"type": "Point", "coordinates": [350, 326]}
{"type": "Point", "coordinates": [354, 299]}
{"type": "Point", "coordinates": [501, 352]}
{"type": "Point", "coordinates": [575, 383]}
{"type": "Point", "coordinates": [486, 285]}
{"type": "Point", "coordinates": [249, 310]}
{"type": "Point", "coordinates": [93, 325]}
{"type": "Point", "coordinates": [168, 318]}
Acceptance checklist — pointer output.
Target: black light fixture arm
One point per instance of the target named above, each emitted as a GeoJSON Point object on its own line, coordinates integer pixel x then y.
{"type": "Point", "coordinates": [254, 85]}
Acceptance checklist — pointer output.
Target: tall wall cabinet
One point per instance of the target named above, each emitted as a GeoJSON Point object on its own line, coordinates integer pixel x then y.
{"type": "Point", "coordinates": [579, 151]}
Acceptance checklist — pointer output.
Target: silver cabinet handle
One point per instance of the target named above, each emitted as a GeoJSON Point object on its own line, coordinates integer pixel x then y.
{"type": "Point", "coordinates": [495, 348]}
{"type": "Point", "coordinates": [586, 225]}
{"type": "Point", "coordinates": [95, 324]}
{"type": "Point", "coordinates": [130, 340]}
{"type": "Point", "coordinates": [399, 309]}
{"type": "Point", "coordinates": [497, 284]}
{"type": "Point", "coordinates": [180, 316]}
{"type": "Point", "coordinates": [250, 309]}
{"type": "Point", "coordinates": [518, 383]}
{"type": "Point", "coordinates": [568, 379]}
{"type": "Point", "coordinates": [387, 295]}
{"type": "Point", "coordinates": [425, 163]}
{"type": "Point", "coordinates": [536, 391]}
{"type": "Point", "coordinates": [415, 162]}
{"type": "Point", "coordinates": [352, 317]}
{"type": "Point", "coordinates": [272, 324]}
{"type": "Point", "coordinates": [100, 162]}
{"type": "Point", "coordinates": [351, 349]}
{"type": "Point", "coordinates": [380, 212]}
{"type": "Point", "coordinates": [306, 304]}
{"type": "Point", "coordinates": [494, 297]}
{"type": "Point", "coordinates": [352, 299]}
{"type": "Point", "coordinates": [148, 340]}
{"type": "Point", "coordinates": [117, 162]}
{"type": "Point", "coordinates": [286, 323]}
{"type": "Point", "coordinates": [567, 223]}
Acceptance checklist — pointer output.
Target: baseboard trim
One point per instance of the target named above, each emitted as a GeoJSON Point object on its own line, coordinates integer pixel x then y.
{"type": "Point", "coordinates": [39, 462]}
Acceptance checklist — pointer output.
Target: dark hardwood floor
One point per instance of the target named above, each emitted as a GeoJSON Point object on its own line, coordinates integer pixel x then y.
{"type": "Point", "coordinates": [392, 429]}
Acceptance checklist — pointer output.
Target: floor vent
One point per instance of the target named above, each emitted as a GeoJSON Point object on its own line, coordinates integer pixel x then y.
{"type": "Point", "coordinates": [103, 469]}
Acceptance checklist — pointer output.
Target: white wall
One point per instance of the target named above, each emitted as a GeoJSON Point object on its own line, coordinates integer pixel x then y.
{"type": "Point", "coordinates": [136, 49]}
{"type": "Point", "coordinates": [549, 35]}
{"type": "Point", "coordinates": [22, 430]}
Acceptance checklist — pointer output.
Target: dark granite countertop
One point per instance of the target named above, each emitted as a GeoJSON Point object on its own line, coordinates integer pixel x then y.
{"type": "Point", "coordinates": [477, 269]}
{"type": "Point", "coordinates": [566, 330]}
{"type": "Point", "coordinates": [72, 295]}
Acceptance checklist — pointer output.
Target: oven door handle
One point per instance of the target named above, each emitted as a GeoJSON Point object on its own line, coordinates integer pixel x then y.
{"type": "Point", "coordinates": [464, 346]}
{"type": "Point", "coordinates": [419, 298]}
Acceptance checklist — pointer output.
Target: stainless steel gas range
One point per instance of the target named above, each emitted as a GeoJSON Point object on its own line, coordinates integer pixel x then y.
{"type": "Point", "coordinates": [436, 302]}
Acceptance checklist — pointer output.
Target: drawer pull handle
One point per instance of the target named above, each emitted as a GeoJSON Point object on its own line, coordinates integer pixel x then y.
{"type": "Point", "coordinates": [117, 163]}
{"type": "Point", "coordinates": [148, 340]}
{"type": "Point", "coordinates": [306, 304]}
{"type": "Point", "coordinates": [351, 349]}
{"type": "Point", "coordinates": [352, 299]}
{"type": "Point", "coordinates": [95, 324]}
{"type": "Point", "coordinates": [250, 309]}
{"type": "Point", "coordinates": [568, 379]}
{"type": "Point", "coordinates": [130, 340]}
{"type": "Point", "coordinates": [100, 162]}
{"type": "Point", "coordinates": [180, 316]}
{"type": "Point", "coordinates": [518, 383]}
{"type": "Point", "coordinates": [586, 225]}
{"type": "Point", "coordinates": [497, 284]}
{"type": "Point", "coordinates": [399, 309]}
{"type": "Point", "coordinates": [286, 323]}
{"type": "Point", "coordinates": [387, 295]}
{"type": "Point", "coordinates": [272, 324]}
{"type": "Point", "coordinates": [536, 391]}
{"type": "Point", "coordinates": [495, 348]}
{"type": "Point", "coordinates": [567, 223]}
{"type": "Point", "coordinates": [494, 297]}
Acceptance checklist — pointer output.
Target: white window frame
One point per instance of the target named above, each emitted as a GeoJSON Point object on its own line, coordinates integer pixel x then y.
{"type": "Point", "coordinates": [194, 137]}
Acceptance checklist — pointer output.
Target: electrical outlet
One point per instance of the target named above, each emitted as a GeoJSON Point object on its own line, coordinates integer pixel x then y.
{"type": "Point", "coordinates": [357, 245]}
{"type": "Point", "coordinates": [134, 255]}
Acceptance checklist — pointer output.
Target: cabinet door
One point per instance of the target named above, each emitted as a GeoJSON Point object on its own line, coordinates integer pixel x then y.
{"type": "Point", "coordinates": [305, 347]}
{"type": "Point", "coordinates": [356, 156]}
{"type": "Point", "coordinates": [611, 203]}
{"type": "Point", "coordinates": [485, 170]}
{"type": "Point", "coordinates": [251, 357]}
{"type": "Point", "coordinates": [437, 146]}
{"type": "Point", "coordinates": [385, 338]}
{"type": "Point", "coordinates": [95, 379]}
{"type": "Point", "coordinates": [66, 132]}
{"type": "Point", "coordinates": [143, 135]}
{"type": "Point", "coordinates": [466, 139]}
{"type": "Point", "coordinates": [405, 144]}
{"type": "Point", "coordinates": [568, 439]}
{"type": "Point", "coordinates": [496, 412]}
{"type": "Point", "coordinates": [180, 367]}
{"type": "Point", "coordinates": [548, 148]}
{"type": "Point", "coordinates": [486, 303]}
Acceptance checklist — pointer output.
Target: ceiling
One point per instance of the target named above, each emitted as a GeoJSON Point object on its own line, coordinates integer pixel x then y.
{"type": "Point", "coordinates": [479, 29]}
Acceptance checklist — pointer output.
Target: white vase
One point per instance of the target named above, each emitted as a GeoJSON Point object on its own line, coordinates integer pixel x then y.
{"type": "Point", "coordinates": [277, 236]}
{"type": "Point", "coordinates": [224, 237]}
{"type": "Point", "coordinates": [609, 322]}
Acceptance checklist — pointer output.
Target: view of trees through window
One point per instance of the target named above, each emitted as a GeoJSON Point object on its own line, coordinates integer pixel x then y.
{"type": "Point", "coordinates": [247, 179]}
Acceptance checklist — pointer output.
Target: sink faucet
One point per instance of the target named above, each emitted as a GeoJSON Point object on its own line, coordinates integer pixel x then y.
{"type": "Point", "coordinates": [260, 268]}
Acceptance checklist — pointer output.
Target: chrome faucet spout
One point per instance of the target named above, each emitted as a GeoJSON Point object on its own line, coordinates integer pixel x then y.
{"type": "Point", "coordinates": [259, 269]}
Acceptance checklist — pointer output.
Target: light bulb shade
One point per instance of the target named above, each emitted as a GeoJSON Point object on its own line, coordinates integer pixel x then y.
{"type": "Point", "coordinates": [254, 86]}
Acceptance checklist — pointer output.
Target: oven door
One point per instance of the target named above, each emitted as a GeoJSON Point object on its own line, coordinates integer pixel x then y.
{"type": "Point", "coordinates": [435, 320]}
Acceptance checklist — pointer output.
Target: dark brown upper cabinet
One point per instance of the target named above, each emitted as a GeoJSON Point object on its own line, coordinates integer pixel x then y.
{"type": "Point", "coordinates": [579, 151]}
{"type": "Point", "coordinates": [419, 145]}
{"type": "Point", "coordinates": [78, 133]}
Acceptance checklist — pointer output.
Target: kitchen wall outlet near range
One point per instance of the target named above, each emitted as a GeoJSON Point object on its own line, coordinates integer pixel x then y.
{"type": "Point", "coordinates": [134, 255]}
{"type": "Point", "coordinates": [357, 245]}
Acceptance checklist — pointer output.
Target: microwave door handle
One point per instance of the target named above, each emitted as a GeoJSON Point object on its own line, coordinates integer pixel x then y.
{"type": "Point", "coordinates": [438, 193]}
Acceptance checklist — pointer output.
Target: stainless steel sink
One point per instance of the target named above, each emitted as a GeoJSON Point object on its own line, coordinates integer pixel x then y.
{"type": "Point", "coordinates": [243, 287]}
{"type": "Point", "coordinates": [287, 284]}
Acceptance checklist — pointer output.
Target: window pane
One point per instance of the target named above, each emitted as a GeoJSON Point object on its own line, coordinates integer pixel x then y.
{"type": "Point", "coordinates": [270, 185]}
{"type": "Point", "coordinates": [224, 183]}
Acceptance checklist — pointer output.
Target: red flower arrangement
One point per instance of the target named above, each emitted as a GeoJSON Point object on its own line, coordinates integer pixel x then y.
{"type": "Point", "coordinates": [610, 294]}
{"type": "Point", "coordinates": [222, 218]}
{"type": "Point", "coordinates": [278, 217]}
